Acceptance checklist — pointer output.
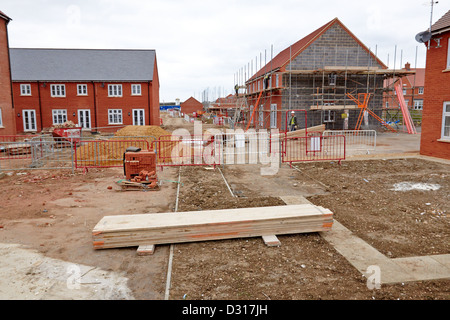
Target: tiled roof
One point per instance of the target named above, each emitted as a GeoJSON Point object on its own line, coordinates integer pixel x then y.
{"type": "Point", "coordinates": [282, 59]}
{"type": "Point", "coordinates": [4, 16]}
{"type": "Point", "coordinates": [442, 23]}
{"type": "Point", "coordinates": [82, 65]}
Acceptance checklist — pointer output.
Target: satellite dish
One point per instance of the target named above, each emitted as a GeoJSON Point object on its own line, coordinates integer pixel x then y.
{"type": "Point", "coordinates": [423, 36]}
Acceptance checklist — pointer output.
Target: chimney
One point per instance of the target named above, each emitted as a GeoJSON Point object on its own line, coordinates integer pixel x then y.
{"type": "Point", "coordinates": [407, 66]}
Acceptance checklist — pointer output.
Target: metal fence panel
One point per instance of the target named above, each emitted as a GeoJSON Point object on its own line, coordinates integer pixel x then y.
{"type": "Point", "coordinates": [313, 148]}
{"type": "Point", "coordinates": [356, 139]}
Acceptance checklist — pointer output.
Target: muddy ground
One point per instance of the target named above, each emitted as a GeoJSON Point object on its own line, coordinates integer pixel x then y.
{"type": "Point", "coordinates": [306, 266]}
{"type": "Point", "coordinates": [54, 213]}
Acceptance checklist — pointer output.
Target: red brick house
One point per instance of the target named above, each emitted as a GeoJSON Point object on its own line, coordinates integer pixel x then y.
{"type": "Point", "coordinates": [435, 138]}
{"type": "Point", "coordinates": [224, 106]}
{"type": "Point", "coordinates": [190, 106]}
{"type": "Point", "coordinates": [102, 89]}
{"type": "Point", "coordinates": [7, 123]}
{"type": "Point", "coordinates": [413, 89]}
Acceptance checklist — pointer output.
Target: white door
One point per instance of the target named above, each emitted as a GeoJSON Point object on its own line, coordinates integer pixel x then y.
{"type": "Point", "coordinates": [138, 117]}
{"type": "Point", "coordinates": [84, 118]}
{"type": "Point", "coordinates": [273, 116]}
{"type": "Point", "coordinates": [29, 120]}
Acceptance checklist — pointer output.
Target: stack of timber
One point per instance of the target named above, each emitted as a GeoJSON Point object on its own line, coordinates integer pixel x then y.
{"type": "Point", "coordinates": [301, 132]}
{"type": "Point", "coordinates": [179, 227]}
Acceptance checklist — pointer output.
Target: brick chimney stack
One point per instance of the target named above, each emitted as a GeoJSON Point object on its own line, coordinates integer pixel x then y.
{"type": "Point", "coordinates": [407, 66]}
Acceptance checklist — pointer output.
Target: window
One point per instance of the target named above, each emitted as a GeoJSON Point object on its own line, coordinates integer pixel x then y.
{"type": "Point", "coordinates": [135, 89]}
{"type": "Point", "coordinates": [59, 116]}
{"type": "Point", "coordinates": [448, 54]}
{"type": "Point", "coordinates": [1, 121]}
{"type": "Point", "coordinates": [25, 90]}
{"type": "Point", "coordinates": [446, 121]}
{"type": "Point", "coordinates": [115, 116]}
{"type": "Point", "coordinates": [58, 90]}
{"type": "Point", "coordinates": [420, 90]}
{"type": "Point", "coordinates": [82, 89]}
{"type": "Point", "coordinates": [277, 83]}
{"type": "Point", "coordinates": [328, 116]}
{"type": "Point", "coordinates": [418, 104]}
{"type": "Point", "coordinates": [332, 79]}
{"type": "Point", "coordinates": [114, 90]}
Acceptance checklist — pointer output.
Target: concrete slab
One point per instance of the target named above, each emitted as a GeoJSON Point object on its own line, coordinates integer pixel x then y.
{"type": "Point", "coordinates": [424, 267]}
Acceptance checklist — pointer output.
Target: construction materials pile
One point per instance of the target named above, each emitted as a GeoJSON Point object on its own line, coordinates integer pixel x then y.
{"type": "Point", "coordinates": [178, 227]}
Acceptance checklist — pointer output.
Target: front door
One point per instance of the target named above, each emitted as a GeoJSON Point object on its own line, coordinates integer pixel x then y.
{"type": "Point", "coordinates": [138, 117]}
{"type": "Point", "coordinates": [84, 118]}
{"type": "Point", "coordinates": [29, 120]}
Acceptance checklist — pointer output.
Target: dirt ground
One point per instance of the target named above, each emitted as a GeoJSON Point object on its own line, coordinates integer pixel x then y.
{"type": "Point", "coordinates": [54, 213]}
{"type": "Point", "coordinates": [306, 266]}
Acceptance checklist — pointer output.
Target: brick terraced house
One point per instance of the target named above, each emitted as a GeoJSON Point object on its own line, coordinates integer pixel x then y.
{"type": "Point", "coordinates": [7, 123]}
{"type": "Point", "coordinates": [93, 88]}
{"type": "Point", "coordinates": [435, 138]}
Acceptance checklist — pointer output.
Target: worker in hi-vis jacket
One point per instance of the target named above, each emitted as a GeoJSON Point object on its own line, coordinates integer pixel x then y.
{"type": "Point", "coordinates": [292, 122]}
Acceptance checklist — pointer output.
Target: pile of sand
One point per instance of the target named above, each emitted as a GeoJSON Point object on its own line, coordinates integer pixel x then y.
{"type": "Point", "coordinates": [142, 131]}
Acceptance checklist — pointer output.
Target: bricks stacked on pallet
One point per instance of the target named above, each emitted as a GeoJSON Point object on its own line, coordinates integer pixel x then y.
{"type": "Point", "coordinates": [166, 228]}
{"type": "Point", "coordinates": [136, 162]}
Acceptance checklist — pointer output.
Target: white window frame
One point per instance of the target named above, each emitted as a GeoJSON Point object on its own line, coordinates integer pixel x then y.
{"type": "Point", "coordinates": [261, 116]}
{"type": "Point", "coordinates": [115, 116]}
{"type": "Point", "coordinates": [420, 91]}
{"type": "Point", "coordinates": [445, 115]}
{"type": "Point", "coordinates": [57, 90]}
{"type": "Point", "coordinates": [418, 104]}
{"type": "Point", "coordinates": [1, 119]}
{"type": "Point", "coordinates": [82, 90]}
{"type": "Point", "coordinates": [57, 114]}
{"type": "Point", "coordinates": [134, 111]}
{"type": "Point", "coordinates": [136, 90]}
{"type": "Point", "coordinates": [82, 113]}
{"type": "Point", "coordinates": [273, 116]}
{"type": "Point", "coordinates": [115, 90]}
{"type": "Point", "coordinates": [448, 54]}
{"type": "Point", "coordinates": [25, 89]}
{"type": "Point", "coordinates": [26, 113]}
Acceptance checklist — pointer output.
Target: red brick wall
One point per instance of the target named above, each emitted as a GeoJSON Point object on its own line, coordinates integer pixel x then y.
{"type": "Point", "coordinates": [97, 101]}
{"type": "Point", "coordinates": [436, 92]}
{"type": "Point", "coordinates": [6, 105]}
{"type": "Point", "coordinates": [154, 97]}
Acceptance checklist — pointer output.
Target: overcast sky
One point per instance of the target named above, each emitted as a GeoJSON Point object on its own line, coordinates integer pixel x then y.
{"type": "Point", "coordinates": [203, 44]}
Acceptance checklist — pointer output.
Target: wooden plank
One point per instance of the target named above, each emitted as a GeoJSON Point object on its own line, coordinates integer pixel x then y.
{"type": "Point", "coordinates": [271, 241]}
{"type": "Point", "coordinates": [145, 250]}
{"type": "Point", "coordinates": [163, 228]}
{"type": "Point", "coordinates": [172, 219]}
{"type": "Point", "coordinates": [334, 107]}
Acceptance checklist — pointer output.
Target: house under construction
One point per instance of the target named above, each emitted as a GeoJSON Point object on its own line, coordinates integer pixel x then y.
{"type": "Point", "coordinates": [329, 73]}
